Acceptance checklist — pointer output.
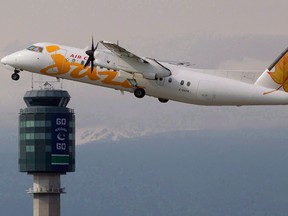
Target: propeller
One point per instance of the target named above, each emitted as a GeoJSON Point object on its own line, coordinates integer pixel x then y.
{"type": "Point", "coordinates": [91, 57]}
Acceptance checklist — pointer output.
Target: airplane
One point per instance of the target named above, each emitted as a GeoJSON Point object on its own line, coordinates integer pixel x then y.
{"type": "Point", "coordinates": [115, 67]}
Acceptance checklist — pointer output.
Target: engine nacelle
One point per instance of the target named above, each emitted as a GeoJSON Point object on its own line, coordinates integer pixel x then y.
{"type": "Point", "coordinates": [150, 69]}
{"type": "Point", "coordinates": [125, 75]}
{"type": "Point", "coordinates": [105, 60]}
{"type": "Point", "coordinates": [150, 76]}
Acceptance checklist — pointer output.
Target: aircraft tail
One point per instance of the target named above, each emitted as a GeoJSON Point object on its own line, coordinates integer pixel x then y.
{"type": "Point", "coordinates": [276, 75]}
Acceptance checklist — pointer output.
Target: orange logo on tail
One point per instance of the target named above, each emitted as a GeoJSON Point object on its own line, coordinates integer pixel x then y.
{"type": "Point", "coordinates": [280, 75]}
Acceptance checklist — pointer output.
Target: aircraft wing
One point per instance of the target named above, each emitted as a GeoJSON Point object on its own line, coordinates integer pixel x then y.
{"type": "Point", "coordinates": [179, 63]}
{"type": "Point", "coordinates": [121, 52]}
{"type": "Point", "coordinates": [131, 63]}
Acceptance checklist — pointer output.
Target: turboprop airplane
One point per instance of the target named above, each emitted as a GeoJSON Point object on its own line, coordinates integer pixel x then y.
{"type": "Point", "coordinates": [115, 67]}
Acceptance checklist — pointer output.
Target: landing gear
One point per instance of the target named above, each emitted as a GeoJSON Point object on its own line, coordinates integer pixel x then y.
{"type": "Point", "coordinates": [163, 100]}
{"type": "Point", "coordinates": [139, 92]}
{"type": "Point", "coordinates": [15, 76]}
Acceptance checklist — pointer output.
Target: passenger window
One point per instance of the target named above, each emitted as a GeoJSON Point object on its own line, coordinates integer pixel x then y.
{"type": "Point", "coordinates": [182, 82]}
{"type": "Point", "coordinates": [73, 60]}
{"type": "Point", "coordinates": [170, 80]}
{"type": "Point", "coordinates": [188, 83]}
{"type": "Point", "coordinates": [82, 62]}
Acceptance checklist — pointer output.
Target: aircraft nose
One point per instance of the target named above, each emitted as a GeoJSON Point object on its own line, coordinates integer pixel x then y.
{"type": "Point", "coordinates": [10, 60]}
{"type": "Point", "coordinates": [4, 60]}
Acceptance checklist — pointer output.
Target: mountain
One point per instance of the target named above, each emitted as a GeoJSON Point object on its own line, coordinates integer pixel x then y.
{"type": "Point", "coordinates": [116, 133]}
{"type": "Point", "coordinates": [241, 172]}
{"type": "Point", "coordinates": [89, 135]}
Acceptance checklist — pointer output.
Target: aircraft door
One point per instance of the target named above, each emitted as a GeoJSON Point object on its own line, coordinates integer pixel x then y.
{"type": "Point", "coordinates": [58, 60]}
{"type": "Point", "coordinates": [205, 91]}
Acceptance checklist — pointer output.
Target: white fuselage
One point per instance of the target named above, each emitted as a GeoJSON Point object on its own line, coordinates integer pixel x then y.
{"type": "Point", "coordinates": [185, 84]}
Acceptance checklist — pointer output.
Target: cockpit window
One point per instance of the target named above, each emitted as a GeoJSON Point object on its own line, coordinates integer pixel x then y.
{"type": "Point", "coordinates": [35, 49]}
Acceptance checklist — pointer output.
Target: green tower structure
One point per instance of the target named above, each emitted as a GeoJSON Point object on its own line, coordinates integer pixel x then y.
{"type": "Point", "coordinates": [46, 146]}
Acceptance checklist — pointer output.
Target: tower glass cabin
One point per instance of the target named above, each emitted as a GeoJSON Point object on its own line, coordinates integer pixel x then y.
{"type": "Point", "coordinates": [46, 133]}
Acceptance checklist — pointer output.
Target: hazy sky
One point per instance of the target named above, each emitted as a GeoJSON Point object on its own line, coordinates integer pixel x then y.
{"type": "Point", "coordinates": [247, 34]}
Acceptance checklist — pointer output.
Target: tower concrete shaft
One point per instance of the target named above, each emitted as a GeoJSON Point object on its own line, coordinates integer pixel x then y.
{"type": "Point", "coordinates": [46, 194]}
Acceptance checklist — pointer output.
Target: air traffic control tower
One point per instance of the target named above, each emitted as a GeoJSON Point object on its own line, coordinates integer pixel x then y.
{"type": "Point", "coordinates": [46, 146]}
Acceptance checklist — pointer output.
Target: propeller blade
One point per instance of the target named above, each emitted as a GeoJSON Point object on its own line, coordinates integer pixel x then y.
{"type": "Point", "coordinates": [92, 66]}
{"type": "Point", "coordinates": [91, 57]}
{"type": "Point", "coordinates": [89, 53]}
{"type": "Point", "coordinates": [92, 48]}
{"type": "Point", "coordinates": [87, 62]}
{"type": "Point", "coordinates": [96, 46]}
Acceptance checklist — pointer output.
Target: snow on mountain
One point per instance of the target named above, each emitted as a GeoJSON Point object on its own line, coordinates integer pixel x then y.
{"type": "Point", "coordinates": [88, 135]}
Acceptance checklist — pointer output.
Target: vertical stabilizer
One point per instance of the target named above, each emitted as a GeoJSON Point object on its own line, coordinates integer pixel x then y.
{"type": "Point", "coordinates": [275, 77]}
